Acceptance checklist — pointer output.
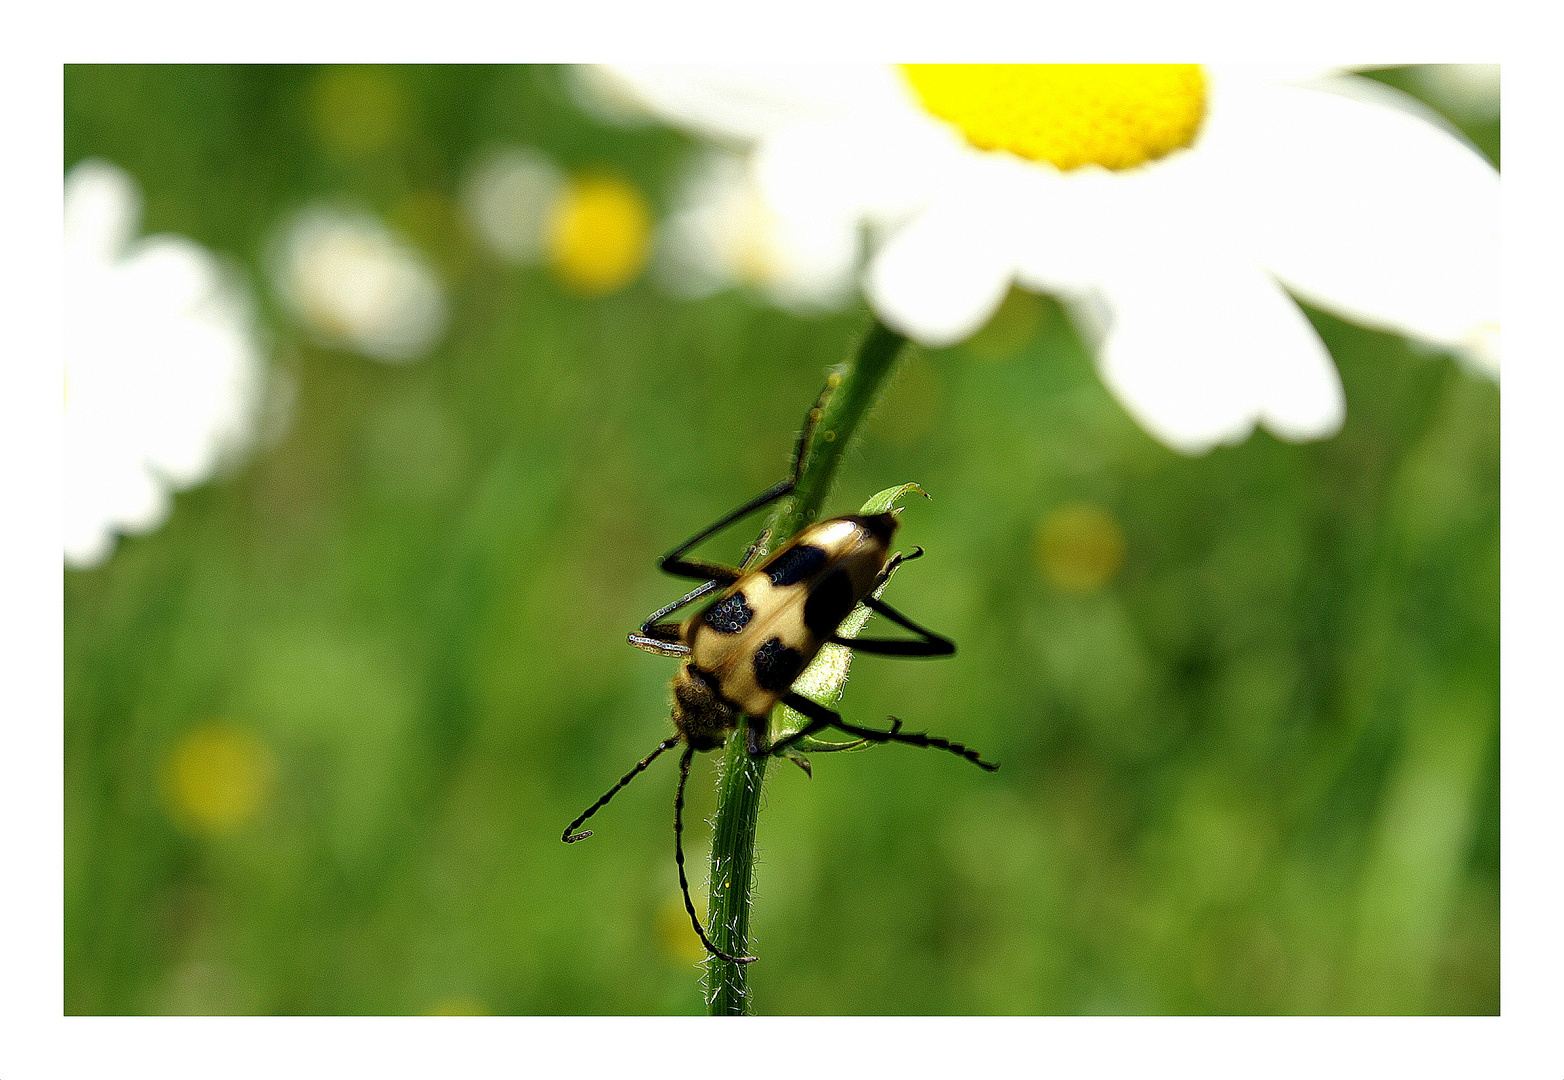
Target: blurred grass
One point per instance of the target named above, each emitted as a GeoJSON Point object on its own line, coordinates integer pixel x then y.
{"type": "Point", "coordinates": [1250, 762]}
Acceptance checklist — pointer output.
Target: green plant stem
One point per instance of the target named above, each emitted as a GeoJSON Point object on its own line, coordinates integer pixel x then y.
{"type": "Point", "coordinates": [862, 378]}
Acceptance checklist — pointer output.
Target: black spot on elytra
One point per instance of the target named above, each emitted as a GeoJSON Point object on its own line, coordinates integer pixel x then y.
{"type": "Point", "coordinates": [776, 665]}
{"type": "Point", "coordinates": [828, 604]}
{"type": "Point", "coordinates": [796, 563]}
{"type": "Point", "coordinates": [729, 615]}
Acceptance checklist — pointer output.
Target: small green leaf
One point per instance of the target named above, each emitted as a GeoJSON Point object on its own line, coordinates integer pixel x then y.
{"type": "Point", "coordinates": [886, 499]}
{"type": "Point", "coordinates": [801, 761]}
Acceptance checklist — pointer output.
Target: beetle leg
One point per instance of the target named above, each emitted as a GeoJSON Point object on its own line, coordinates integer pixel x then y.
{"type": "Point", "coordinates": [675, 563]}
{"type": "Point", "coordinates": [803, 739]}
{"type": "Point", "coordinates": [756, 548]}
{"type": "Point", "coordinates": [663, 640]}
{"type": "Point", "coordinates": [688, 598]}
{"type": "Point", "coordinates": [932, 644]}
{"type": "Point", "coordinates": [821, 717]}
{"type": "Point", "coordinates": [656, 636]}
{"type": "Point", "coordinates": [890, 567]}
{"type": "Point", "coordinates": [896, 646]}
{"type": "Point", "coordinates": [916, 738]}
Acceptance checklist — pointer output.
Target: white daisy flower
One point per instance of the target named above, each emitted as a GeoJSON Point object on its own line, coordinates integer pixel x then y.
{"type": "Point", "coordinates": [356, 285]}
{"type": "Point", "coordinates": [1172, 206]}
{"type": "Point", "coordinates": [162, 370]}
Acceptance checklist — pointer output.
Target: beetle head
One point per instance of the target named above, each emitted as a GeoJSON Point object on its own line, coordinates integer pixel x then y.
{"type": "Point", "coordinates": [699, 713]}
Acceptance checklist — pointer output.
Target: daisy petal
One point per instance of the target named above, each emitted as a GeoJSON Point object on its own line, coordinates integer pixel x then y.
{"type": "Point", "coordinates": [1202, 351]}
{"type": "Point", "coordinates": [746, 104]}
{"type": "Point", "coordinates": [941, 277]}
{"type": "Point", "coordinates": [810, 263]}
{"type": "Point", "coordinates": [1372, 213]}
{"type": "Point", "coordinates": [885, 165]}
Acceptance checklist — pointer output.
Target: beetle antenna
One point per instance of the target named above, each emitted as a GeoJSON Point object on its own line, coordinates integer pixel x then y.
{"type": "Point", "coordinates": [571, 837]}
{"type": "Point", "coordinates": [678, 856]}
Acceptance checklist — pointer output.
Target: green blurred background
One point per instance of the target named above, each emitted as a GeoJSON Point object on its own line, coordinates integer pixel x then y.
{"type": "Point", "coordinates": [324, 726]}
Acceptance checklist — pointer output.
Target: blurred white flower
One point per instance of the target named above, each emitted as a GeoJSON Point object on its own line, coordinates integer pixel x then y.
{"type": "Point", "coordinates": [356, 286]}
{"type": "Point", "coordinates": [1167, 204]}
{"type": "Point", "coordinates": [508, 196]}
{"type": "Point", "coordinates": [722, 233]}
{"type": "Point", "coordinates": [162, 371]}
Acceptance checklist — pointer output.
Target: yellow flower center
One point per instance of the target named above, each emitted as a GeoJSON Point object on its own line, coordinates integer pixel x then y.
{"type": "Point", "coordinates": [1114, 115]}
{"type": "Point", "coordinates": [599, 235]}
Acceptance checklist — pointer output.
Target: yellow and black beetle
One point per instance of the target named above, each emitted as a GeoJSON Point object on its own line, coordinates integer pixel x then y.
{"type": "Point", "coordinates": [742, 651]}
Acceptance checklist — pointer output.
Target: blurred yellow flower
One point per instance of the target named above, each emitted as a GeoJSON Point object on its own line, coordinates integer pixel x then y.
{"type": "Point", "coordinates": [217, 777]}
{"type": "Point", "coordinates": [599, 234]}
{"type": "Point", "coordinates": [1079, 547]}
